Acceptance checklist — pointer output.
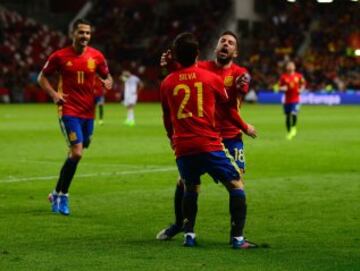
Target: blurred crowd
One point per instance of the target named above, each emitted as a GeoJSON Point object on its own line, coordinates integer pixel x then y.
{"type": "Point", "coordinates": [321, 39]}
{"type": "Point", "coordinates": [133, 34]}
{"type": "Point", "coordinates": [24, 47]}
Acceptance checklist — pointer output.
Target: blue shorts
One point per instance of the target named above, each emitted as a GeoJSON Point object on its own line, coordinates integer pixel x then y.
{"type": "Point", "coordinates": [292, 108]}
{"type": "Point", "coordinates": [219, 165]}
{"type": "Point", "coordinates": [77, 130]}
{"type": "Point", "coordinates": [99, 100]}
{"type": "Point", "coordinates": [235, 147]}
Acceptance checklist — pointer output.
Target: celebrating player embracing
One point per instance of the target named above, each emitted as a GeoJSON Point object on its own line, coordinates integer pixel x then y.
{"type": "Point", "coordinates": [189, 97]}
{"type": "Point", "coordinates": [236, 80]}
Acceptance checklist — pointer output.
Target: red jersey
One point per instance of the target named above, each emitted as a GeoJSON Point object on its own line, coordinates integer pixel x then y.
{"type": "Point", "coordinates": [188, 98]}
{"type": "Point", "coordinates": [293, 82]}
{"type": "Point", "coordinates": [228, 119]}
{"type": "Point", "coordinates": [77, 79]}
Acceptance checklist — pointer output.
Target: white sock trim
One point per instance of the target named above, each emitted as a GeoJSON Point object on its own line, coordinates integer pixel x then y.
{"type": "Point", "coordinates": [239, 238]}
{"type": "Point", "coordinates": [190, 234]}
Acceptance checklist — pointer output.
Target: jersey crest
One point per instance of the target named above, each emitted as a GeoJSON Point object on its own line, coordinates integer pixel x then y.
{"type": "Point", "coordinates": [91, 64]}
{"type": "Point", "coordinates": [228, 81]}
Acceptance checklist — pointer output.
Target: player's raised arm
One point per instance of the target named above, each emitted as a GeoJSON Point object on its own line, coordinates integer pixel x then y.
{"type": "Point", "coordinates": [248, 129]}
{"type": "Point", "coordinates": [168, 64]}
{"type": "Point", "coordinates": [166, 58]}
{"type": "Point", "coordinates": [242, 84]}
{"type": "Point", "coordinates": [233, 113]}
{"type": "Point", "coordinates": [166, 113]}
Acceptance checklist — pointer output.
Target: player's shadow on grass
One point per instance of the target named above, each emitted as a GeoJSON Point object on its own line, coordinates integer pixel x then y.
{"type": "Point", "coordinates": [178, 242]}
{"type": "Point", "coordinates": [38, 212]}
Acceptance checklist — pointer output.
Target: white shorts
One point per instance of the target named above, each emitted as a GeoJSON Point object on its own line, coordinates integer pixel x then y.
{"type": "Point", "coordinates": [130, 99]}
{"type": "Point", "coordinates": [99, 100]}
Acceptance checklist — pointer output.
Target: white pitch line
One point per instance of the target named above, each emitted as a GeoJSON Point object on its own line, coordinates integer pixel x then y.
{"type": "Point", "coordinates": [83, 163]}
{"type": "Point", "coordinates": [101, 174]}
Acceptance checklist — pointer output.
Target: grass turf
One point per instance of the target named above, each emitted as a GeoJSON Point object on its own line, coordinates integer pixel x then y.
{"type": "Point", "coordinates": [303, 195]}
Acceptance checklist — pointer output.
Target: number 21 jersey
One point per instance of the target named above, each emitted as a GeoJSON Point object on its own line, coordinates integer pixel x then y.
{"type": "Point", "coordinates": [188, 97]}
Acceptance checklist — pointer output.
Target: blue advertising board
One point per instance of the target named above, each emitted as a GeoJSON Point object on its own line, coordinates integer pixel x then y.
{"type": "Point", "coordinates": [335, 98]}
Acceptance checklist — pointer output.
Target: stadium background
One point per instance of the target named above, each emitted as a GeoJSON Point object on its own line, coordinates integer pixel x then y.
{"type": "Point", "coordinates": [303, 194]}
{"type": "Point", "coordinates": [322, 38]}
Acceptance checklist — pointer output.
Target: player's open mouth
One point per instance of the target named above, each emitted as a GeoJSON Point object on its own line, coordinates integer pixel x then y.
{"type": "Point", "coordinates": [223, 52]}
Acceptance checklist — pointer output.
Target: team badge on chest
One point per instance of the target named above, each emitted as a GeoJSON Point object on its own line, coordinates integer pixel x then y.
{"type": "Point", "coordinates": [91, 64]}
{"type": "Point", "coordinates": [228, 81]}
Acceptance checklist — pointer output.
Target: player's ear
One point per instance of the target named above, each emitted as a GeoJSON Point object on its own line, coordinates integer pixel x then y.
{"type": "Point", "coordinates": [236, 53]}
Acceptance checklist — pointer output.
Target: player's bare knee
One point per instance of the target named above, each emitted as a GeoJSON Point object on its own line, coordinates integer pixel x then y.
{"type": "Point", "coordinates": [234, 184]}
{"type": "Point", "coordinates": [76, 152]}
{"type": "Point", "coordinates": [76, 156]}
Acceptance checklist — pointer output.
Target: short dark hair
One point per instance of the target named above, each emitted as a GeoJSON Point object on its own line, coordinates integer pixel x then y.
{"type": "Point", "coordinates": [186, 48]}
{"type": "Point", "coordinates": [228, 32]}
{"type": "Point", "coordinates": [80, 21]}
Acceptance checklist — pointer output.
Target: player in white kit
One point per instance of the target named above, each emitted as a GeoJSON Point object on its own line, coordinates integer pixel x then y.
{"type": "Point", "coordinates": [132, 85]}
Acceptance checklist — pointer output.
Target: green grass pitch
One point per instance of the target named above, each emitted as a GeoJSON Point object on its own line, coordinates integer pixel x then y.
{"type": "Point", "coordinates": [303, 195]}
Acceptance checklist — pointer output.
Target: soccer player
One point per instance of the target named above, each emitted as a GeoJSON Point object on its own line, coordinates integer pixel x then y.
{"type": "Point", "coordinates": [77, 66]}
{"type": "Point", "coordinates": [236, 80]}
{"type": "Point", "coordinates": [189, 96]}
{"type": "Point", "coordinates": [132, 85]}
{"type": "Point", "coordinates": [292, 83]}
{"type": "Point", "coordinates": [100, 98]}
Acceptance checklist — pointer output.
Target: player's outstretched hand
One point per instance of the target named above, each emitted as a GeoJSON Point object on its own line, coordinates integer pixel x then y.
{"type": "Point", "coordinates": [165, 59]}
{"type": "Point", "coordinates": [251, 131]}
{"type": "Point", "coordinates": [59, 98]}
